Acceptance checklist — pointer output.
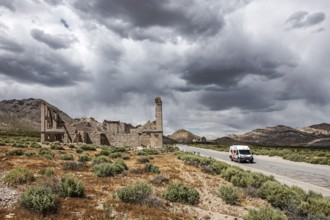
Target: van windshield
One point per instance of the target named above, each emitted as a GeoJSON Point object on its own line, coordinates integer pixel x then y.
{"type": "Point", "coordinates": [244, 151]}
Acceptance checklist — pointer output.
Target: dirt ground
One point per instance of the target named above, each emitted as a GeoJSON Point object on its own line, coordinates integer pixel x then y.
{"type": "Point", "coordinates": [101, 202]}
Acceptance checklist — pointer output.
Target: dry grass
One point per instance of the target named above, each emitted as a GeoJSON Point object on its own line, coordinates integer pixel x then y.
{"type": "Point", "coordinates": [101, 191]}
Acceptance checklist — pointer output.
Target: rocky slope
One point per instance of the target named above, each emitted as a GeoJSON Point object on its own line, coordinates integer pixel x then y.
{"type": "Point", "coordinates": [22, 116]}
{"type": "Point", "coordinates": [183, 136]}
{"type": "Point", "coordinates": [313, 136]}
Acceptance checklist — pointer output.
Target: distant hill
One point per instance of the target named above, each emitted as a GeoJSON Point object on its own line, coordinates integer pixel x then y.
{"type": "Point", "coordinates": [22, 116]}
{"type": "Point", "coordinates": [183, 136]}
{"type": "Point", "coordinates": [281, 136]}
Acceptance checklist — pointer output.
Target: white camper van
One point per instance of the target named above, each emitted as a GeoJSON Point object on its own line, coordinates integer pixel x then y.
{"type": "Point", "coordinates": [240, 153]}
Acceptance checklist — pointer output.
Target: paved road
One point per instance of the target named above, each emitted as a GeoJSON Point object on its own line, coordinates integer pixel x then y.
{"type": "Point", "coordinates": [308, 176]}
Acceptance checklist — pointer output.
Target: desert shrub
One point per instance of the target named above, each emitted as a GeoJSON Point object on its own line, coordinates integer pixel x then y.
{"type": "Point", "coordinates": [2, 143]}
{"type": "Point", "coordinates": [258, 179]}
{"type": "Point", "coordinates": [135, 193]}
{"type": "Point", "coordinates": [227, 174]}
{"type": "Point", "coordinates": [72, 146]}
{"type": "Point", "coordinates": [148, 151]}
{"type": "Point", "coordinates": [159, 180]}
{"type": "Point", "coordinates": [101, 159]}
{"type": "Point", "coordinates": [71, 187]}
{"type": "Point", "coordinates": [242, 179]}
{"type": "Point", "coordinates": [107, 169]}
{"type": "Point", "coordinates": [20, 145]}
{"type": "Point", "coordinates": [15, 152]}
{"type": "Point", "coordinates": [118, 149]}
{"type": "Point", "coordinates": [264, 214]}
{"type": "Point", "coordinates": [88, 147]}
{"type": "Point", "coordinates": [126, 157]}
{"type": "Point", "coordinates": [30, 154]}
{"type": "Point", "coordinates": [56, 147]}
{"type": "Point", "coordinates": [49, 171]}
{"type": "Point", "coordinates": [35, 145]}
{"type": "Point", "coordinates": [315, 207]}
{"type": "Point", "coordinates": [39, 199]}
{"type": "Point", "coordinates": [84, 158]}
{"type": "Point", "coordinates": [67, 157]}
{"type": "Point", "coordinates": [229, 194]}
{"type": "Point", "coordinates": [143, 160]}
{"type": "Point", "coordinates": [115, 155]}
{"type": "Point", "coordinates": [45, 152]}
{"type": "Point", "coordinates": [177, 192]}
{"type": "Point", "coordinates": [151, 168]}
{"type": "Point", "coordinates": [105, 152]}
{"type": "Point", "coordinates": [79, 150]}
{"type": "Point", "coordinates": [279, 195]}
{"type": "Point", "coordinates": [73, 165]}
{"type": "Point", "coordinates": [18, 176]}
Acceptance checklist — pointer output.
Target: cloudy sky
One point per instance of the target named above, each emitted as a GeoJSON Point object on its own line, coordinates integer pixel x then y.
{"type": "Point", "coordinates": [220, 66]}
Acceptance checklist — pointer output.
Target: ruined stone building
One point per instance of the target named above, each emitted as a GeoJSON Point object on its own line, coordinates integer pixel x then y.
{"type": "Point", "coordinates": [56, 126]}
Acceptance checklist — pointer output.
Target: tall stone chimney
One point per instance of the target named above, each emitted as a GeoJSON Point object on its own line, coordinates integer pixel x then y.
{"type": "Point", "coordinates": [159, 114]}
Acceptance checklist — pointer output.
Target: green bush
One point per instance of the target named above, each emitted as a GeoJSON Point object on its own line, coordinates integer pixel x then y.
{"type": "Point", "coordinates": [71, 187]}
{"type": "Point", "coordinates": [67, 157]}
{"type": "Point", "coordinates": [73, 165]}
{"type": "Point", "coordinates": [84, 158]}
{"type": "Point", "coordinates": [115, 155]}
{"type": "Point", "coordinates": [79, 150]}
{"type": "Point", "coordinates": [315, 207]}
{"type": "Point", "coordinates": [143, 160]}
{"type": "Point", "coordinates": [101, 159]}
{"type": "Point", "coordinates": [107, 169]}
{"type": "Point", "coordinates": [15, 152]}
{"type": "Point", "coordinates": [20, 145]}
{"type": "Point", "coordinates": [72, 146]}
{"type": "Point", "coordinates": [264, 214]}
{"type": "Point", "coordinates": [150, 168]}
{"type": "Point", "coordinates": [118, 149]}
{"type": "Point", "coordinates": [148, 151]}
{"type": "Point", "coordinates": [229, 194]}
{"type": "Point", "coordinates": [35, 145]}
{"type": "Point", "coordinates": [88, 147]}
{"type": "Point", "coordinates": [39, 199]}
{"type": "Point", "coordinates": [177, 192]}
{"type": "Point", "coordinates": [227, 174]}
{"type": "Point", "coordinates": [135, 193]}
{"type": "Point", "coordinates": [49, 171]}
{"type": "Point", "coordinates": [45, 152]}
{"type": "Point", "coordinates": [279, 195]}
{"type": "Point", "coordinates": [30, 154]}
{"type": "Point", "coordinates": [105, 152]}
{"type": "Point", "coordinates": [56, 147]}
{"type": "Point", "coordinates": [18, 176]}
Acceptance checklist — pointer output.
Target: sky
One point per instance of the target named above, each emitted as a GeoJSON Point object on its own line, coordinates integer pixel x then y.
{"type": "Point", "coordinates": [221, 67]}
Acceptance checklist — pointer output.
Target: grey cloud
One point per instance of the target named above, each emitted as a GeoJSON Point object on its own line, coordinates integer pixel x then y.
{"type": "Point", "coordinates": [65, 23]}
{"type": "Point", "coordinates": [9, 4]}
{"type": "Point", "coordinates": [9, 45]}
{"type": "Point", "coordinates": [54, 2]}
{"type": "Point", "coordinates": [182, 17]}
{"type": "Point", "coordinates": [48, 70]}
{"type": "Point", "coordinates": [302, 19]}
{"type": "Point", "coordinates": [53, 41]}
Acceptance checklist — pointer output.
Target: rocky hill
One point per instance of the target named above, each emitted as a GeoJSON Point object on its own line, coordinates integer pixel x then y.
{"type": "Point", "coordinates": [183, 136]}
{"type": "Point", "coordinates": [312, 136]}
{"type": "Point", "coordinates": [23, 116]}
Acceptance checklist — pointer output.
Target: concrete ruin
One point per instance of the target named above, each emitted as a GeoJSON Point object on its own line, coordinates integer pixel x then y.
{"type": "Point", "coordinates": [54, 127]}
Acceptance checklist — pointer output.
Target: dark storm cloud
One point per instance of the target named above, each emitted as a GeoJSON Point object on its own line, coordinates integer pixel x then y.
{"type": "Point", "coordinates": [29, 65]}
{"type": "Point", "coordinates": [53, 41]}
{"type": "Point", "coordinates": [54, 2]}
{"type": "Point", "coordinates": [9, 4]}
{"type": "Point", "coordinates": [65, 23]}
{"type": "Point", "coordinates": [242, 98]}
{"type": "Point", "coordinates": [48, 70]}
{"type": "Point", "coordinates": [9, 45]}
{"type": "Point", "coordinates": [181, 17]}
{"type": "Point", "coordinates": [302, 19]}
